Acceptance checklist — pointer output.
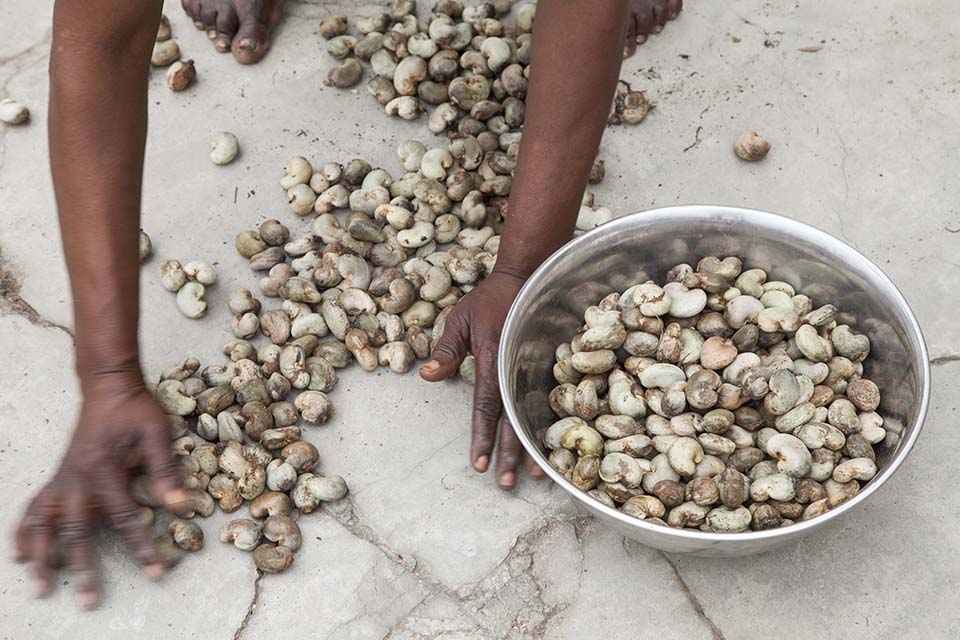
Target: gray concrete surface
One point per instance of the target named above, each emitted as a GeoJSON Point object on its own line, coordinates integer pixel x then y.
{"type": "Point", "coordinates": [865, 137]}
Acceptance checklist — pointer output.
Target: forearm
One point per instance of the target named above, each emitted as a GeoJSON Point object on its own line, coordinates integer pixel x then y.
{"type": "Point", "coordinates": [97, 131]}
{"type": "Point", "coordinates": [575, 62]}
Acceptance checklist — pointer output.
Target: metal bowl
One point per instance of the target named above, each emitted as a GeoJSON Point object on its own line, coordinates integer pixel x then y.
{"type": "Point", "coordinates": [644, 246]}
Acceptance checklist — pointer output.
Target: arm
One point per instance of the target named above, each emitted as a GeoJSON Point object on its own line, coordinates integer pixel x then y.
{"type": "Point", "coordinates": [97, 128]}
{"type": "Point", "coordinates": [567, 109]}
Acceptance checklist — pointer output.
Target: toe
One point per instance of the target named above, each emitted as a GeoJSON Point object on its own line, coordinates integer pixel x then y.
{"type": "Point", "coordinates": [645, 18]}
{"type": "Point", "coordinates": [674, 7]}
{"type": "Point", "coordinates": [227, 25]}
{"type": "Point", "coordinates": [189, 8]}
{"type": "Point", "coordinates": [659, 12]}
{"type": "Point", "coordinates": [194, 9]}
{"type": "Point", "coordinates": [251, 42]}
{"type": "Point", "coordinates": [630, 40]}
{"type": "Point", "coordinates": [209, 17]}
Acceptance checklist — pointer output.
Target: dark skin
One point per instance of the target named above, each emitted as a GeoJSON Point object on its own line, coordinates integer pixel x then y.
{"type": "Point", "coordinates": [97, 130]}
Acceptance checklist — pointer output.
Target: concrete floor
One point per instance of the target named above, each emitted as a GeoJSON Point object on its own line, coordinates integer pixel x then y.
{"type": "Point", "coordinates": [865, 137]}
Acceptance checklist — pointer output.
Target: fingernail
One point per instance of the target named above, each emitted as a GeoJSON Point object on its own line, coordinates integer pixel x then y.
{"type": "Point", "coordinates": [507, 479]}
{"type": "Point", "coordinates": [431, 367]}
{"type": "Point", "coordinates": [480, 464]}
{"type": "Point", "coordinates": [176, 495]}
{"type": "Point", "coordinates": [88, 599]}
{"type": "Point", "coordinates": [154, 570]}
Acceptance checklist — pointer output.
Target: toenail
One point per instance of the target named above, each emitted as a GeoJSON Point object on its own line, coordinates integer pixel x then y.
{"type": "Point", "coordinates": [247, 43]}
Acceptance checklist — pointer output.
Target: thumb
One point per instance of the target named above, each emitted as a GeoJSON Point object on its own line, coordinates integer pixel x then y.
{"type": "Point", "coordinates": [162, 469]}
{"type": "Point", "coordinates": [449, 352]}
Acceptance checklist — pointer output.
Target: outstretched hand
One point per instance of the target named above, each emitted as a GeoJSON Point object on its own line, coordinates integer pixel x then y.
{"type": "Point", "coordinates": [473, 327]}
{"type": "Point", "coordinates": [121, 428]}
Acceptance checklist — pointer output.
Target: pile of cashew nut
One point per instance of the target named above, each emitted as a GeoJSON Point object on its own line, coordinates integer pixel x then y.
{"type": "Point", "coordinates": [720, 401]}
{"type": "Point", "coordinates": [189, 281]}
{"type": "Point", "coordinates": [382, 264]}
{"type": "Point", "coordinates": [237, 438]}
{"type": "Point", "coordinates": [469, 66]}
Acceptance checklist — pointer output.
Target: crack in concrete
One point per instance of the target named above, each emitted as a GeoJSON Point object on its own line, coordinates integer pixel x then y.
{"type": "Point", "coordinates": [947, 359]}
{"type": "Point", "coordinates": [13, 58]}
{"type": "Point", "coordinates": [444, 629]}
{"type": "Point", "coordinates": [336, 632]}
{"type": "Point", "coordinates": [251, 608]}
{"type": "Point", "coordinates": [580, 525]}
{"type": "Point", "coordinates": [346, 514]}
{"type": "Point", "coordinates": [12, 303]}
{"type": "Point", "coordinates": [693, 600]}
{"type": "Point", "coordinates": [527, 603]}
{"type": "Point", "coordinates": [846, 181]}
{"type": "Point", "coordinates": [474, 598]}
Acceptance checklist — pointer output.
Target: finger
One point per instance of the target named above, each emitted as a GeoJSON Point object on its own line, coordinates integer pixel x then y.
{"type": "Point", "coordinates": [163, 471]}
{"type": "Point", "coordinates": [534, 469]}
{"type": "Point", "coordinates": [486, 410]}
{"type": "Point", "coordinates": [41, 552]}
{"type": "Point", "coordinates": [509, 456]}
{"type": "Point", "coordinates": [35, 539]}
{"type": "Point", "coordinates": [126, 521]}
{"type": "Point", "coordinates": [451, 349]}
{"type": "Point", "coordinates": [37, 512]}
{"type": "Point", "coordinates": [40, 522]}
{"type": "Point", "coordinates": [76, 535]}
{"type": "Point", "coordinates": [21, 542]}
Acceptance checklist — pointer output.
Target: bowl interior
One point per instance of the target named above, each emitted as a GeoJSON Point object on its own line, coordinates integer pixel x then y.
{"type": "Point", "coordinates": [643, 246]}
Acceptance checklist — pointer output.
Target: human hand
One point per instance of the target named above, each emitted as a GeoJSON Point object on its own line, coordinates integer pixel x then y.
{"type": "Point", "coordinates": [121, 428]}
{"type": "Point", "coordinates": [473, 327]}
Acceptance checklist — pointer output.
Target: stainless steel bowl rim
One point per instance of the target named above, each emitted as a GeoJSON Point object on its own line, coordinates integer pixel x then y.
{"type": "Point", "coordinates": [695, 212]}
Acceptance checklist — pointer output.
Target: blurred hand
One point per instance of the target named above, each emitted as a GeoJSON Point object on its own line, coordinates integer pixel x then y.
{"type": "Point", "coordinates": [121, 428]}
{"type": "Point", "coordinates": [473, 327]}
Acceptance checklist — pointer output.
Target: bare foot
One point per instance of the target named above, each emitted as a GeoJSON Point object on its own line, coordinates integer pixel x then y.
{"type": "Point", "coordinates": [648, 17]}
{"type": "Point", "coordinates": [241, 26]}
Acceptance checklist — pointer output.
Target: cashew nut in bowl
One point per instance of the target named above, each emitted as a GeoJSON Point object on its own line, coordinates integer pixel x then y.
{"type": "Point", "coordinates": [754, 408]}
